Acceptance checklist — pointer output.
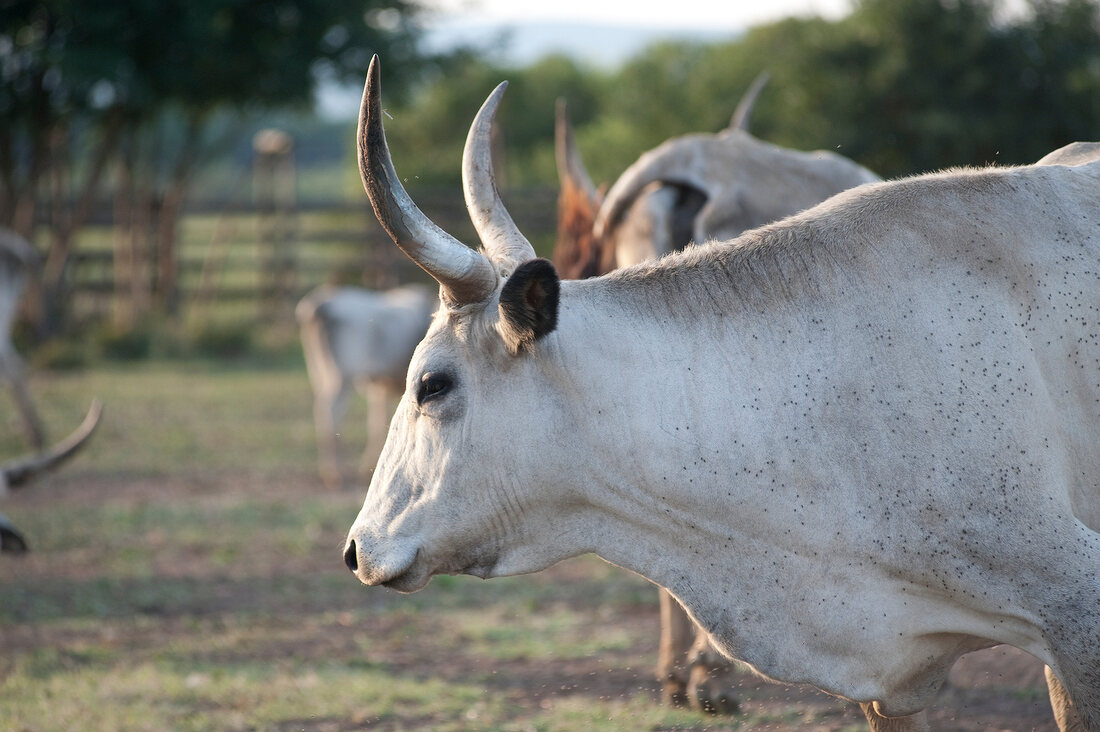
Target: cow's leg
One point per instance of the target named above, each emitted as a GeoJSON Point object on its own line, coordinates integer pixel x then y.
{"type": "Point", "coordinates": [913, 723]}
{"type": "Point", "coordinates": [11, 368]}
{"type": "Point", "coordinates": [380, 407]}
{"type": "Point", "coordinates": [712, 678]}
{"type": "Point", "coordinates": [1064, 713]}
{"type": "Point", "coordinates": [329, 405]}
{"type": "Point", "coordinates": [677, 635]}
{"type": "Point", "coordinates": [1075, 697]}
{"type": "Point", "coordinates": [1073, 636]}
{"type": "Point", "coordinates": [690, 670]}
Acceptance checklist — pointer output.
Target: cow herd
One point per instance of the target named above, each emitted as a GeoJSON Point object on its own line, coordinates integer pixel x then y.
{"type": "Point", "coordinates": [850, 428]}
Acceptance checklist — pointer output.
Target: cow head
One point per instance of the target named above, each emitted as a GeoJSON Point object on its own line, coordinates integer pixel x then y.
{"type": "Point", "coordinates": [449, 494]}
{"type": "Point", "coordinates": [655, 208]}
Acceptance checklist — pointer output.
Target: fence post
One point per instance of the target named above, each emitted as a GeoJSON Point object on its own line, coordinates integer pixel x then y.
{"type": "Point", "coordinates": [273, 183]}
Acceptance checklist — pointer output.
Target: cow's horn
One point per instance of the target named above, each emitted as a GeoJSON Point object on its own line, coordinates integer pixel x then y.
{"type": "Point", "coordinates": [507, 247]}
{"type": "Point", "coordinates": [571, 170]}
{"type": "Point", "coordinates": [675, 162]}
{"type": "Point", "coordinates": [741, 115]}
{"type": "Point", "coordinates": [20, 471]}
{"type": "Point", "coordinates": [464, 275]}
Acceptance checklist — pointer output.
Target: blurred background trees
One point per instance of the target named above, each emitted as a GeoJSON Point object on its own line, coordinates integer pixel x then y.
{"type": "Point", "coordinates": [128, 90]}
{"type": "Point", "coordinates": [130, 111]}
{"type": "Point", "coordinates": [901, 86]}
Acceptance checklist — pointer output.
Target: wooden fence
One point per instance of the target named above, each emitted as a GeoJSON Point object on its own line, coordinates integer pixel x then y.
{"type": "Point", "coordinates": [241, 262]}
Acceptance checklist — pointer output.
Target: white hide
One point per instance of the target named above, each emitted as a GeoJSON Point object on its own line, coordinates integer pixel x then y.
{"type": "Point", "coordinates": [854, 444]}
{"type": "Point", "coordinates": [742, 182]}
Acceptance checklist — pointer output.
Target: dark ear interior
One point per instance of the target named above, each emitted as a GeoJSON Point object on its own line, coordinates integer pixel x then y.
{"type": "Point", "coordinates": [529, 304]}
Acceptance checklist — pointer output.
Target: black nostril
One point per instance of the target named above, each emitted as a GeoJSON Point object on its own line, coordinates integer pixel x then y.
{"type": "Point", "coordinates": [350, 557]}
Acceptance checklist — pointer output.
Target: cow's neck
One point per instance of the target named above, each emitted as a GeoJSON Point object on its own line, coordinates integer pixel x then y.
{"type": "Point", "coordinates": [670, 492]}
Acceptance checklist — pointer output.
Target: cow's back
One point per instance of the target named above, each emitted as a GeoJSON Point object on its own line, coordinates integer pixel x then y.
{"type": "Point", "coordinates": [1073, 154]}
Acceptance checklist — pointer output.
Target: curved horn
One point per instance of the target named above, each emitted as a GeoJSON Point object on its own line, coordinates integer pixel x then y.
{"type": "Point", "coordinates": [740, 119]}
{"type": "Point", "coordinates": [571, 170]}
{"type": "Point", "coordinates": [16, 473]}
{"type": "Point", "coordinates": [507, 247]}
{"type": "Point", "coordinates": [678, 161]}
{"type": "Point", "coordinates": [464, 275]}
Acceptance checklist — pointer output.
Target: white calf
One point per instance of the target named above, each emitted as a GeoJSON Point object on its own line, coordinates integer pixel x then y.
{"type": "Point", "coordinates": [356, 338]}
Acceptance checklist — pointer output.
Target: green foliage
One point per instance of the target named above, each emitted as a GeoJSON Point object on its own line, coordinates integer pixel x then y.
{"type": "Point", "coordinates": [61, 354]}
{"type": "Point", "coordinates": [902, 86]}
{"type": "Point", "coordinates": [428, 133]}
{"type": "Point", "coordinates": [139, 55]}
{"type": "Point", "coordinates": [133, 343]}
{"type": "Point", "coordinates": [918, 85]}
{"type": "Point", "coordinates": [222, 340]}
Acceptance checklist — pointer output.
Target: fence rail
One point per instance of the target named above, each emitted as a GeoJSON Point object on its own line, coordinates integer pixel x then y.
{"type": "Point", "coordinates": [260, 263]}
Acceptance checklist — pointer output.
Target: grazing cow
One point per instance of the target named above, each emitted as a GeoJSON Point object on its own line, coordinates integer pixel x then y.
{"type": "Point", "coordinates": [855, 444]}
{"type": "Point", "coordinates": [17, 256]}
{"type": "Point", "coordinates": [18, 473]}
{"type": "Point", "coordinates": [359, 339]}
{"type": "Point", "coordinates": [693, 188]}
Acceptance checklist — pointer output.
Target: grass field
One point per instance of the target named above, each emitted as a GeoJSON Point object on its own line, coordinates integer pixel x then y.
{"type": "Point", "coordinates": [185, 574]}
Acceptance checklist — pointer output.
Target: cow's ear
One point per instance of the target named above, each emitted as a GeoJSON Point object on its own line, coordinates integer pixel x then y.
{"type": "Point", "coordinates": [529, 304]}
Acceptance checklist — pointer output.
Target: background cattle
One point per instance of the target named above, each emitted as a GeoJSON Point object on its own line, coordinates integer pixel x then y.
{"type": "Point", "coordinates": [359, 339]}
{"type": "Point", "coordinates": [855, 445]}
{"type": "Point", "coordinates": [693, 188]}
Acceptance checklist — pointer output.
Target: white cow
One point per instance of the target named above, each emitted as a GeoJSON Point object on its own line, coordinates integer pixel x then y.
{"type": "Point", "coordinates": [17, 256]}
{"type": "Point", "coordinates": [726, 183]}
{"type": "Point", "coordinates": [697, 187]}
{"type": "Point", "coordinates": [359, 339]}
{"type": "Point", "coordinates": [855, 444]}
{"type": "Point", "coordinates": [19, 472]}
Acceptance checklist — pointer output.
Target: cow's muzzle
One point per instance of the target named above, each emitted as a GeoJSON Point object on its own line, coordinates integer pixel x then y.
{"type": "Point", "coordinates": [399, 570]}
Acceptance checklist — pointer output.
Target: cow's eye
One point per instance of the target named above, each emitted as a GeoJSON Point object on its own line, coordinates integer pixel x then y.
{"type": "Point", "coordinates": [433, 385]}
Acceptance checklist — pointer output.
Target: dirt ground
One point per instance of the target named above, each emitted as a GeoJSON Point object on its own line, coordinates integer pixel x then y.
{"type": "Point", "coordinates": [997, 689]}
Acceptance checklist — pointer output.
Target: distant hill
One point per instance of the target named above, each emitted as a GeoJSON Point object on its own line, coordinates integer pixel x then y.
{"type": "Point", "coordinates": [601, 45]}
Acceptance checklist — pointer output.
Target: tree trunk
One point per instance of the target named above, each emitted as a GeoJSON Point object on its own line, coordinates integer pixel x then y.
{"type": "Point", "coordinates": [170, 209]}
{"type": "Point", "coordinates": [54, 285]}
{"type": "Point", "coordinates": [123, 312]}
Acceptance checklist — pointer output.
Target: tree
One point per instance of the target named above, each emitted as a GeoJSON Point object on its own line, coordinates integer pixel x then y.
{"type": "Point", "coordinates": [916, 85]}
{"type": "Point", "coordinates": [82, 86]}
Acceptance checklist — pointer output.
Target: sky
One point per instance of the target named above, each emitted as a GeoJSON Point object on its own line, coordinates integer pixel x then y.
{"type": "Point", "coordinates": [601, 33]}
{"type": "Point", "coordinates": [729, 15]}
